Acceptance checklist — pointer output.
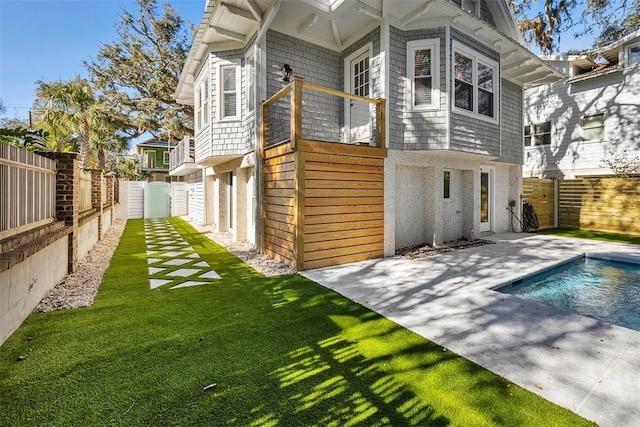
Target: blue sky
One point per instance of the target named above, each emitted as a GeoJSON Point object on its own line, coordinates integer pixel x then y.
{"type": "Point", "coordinates": [48, 40]}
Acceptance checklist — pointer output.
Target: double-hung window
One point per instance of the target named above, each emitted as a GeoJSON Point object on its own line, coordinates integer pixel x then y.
{"type": "Point", "coordinates": [423, 58]}
{"type": "Point", "coordinates": [538, 134]}
{"type": "Point", "coordinates": [475, 84]}
{"type": "Point", "coordinates": [250, 82]}
{"type": "Point", "coordinates": [202, 104]}
{"type": "Point", "coordinates": [593, 127]}
{"type": "Point", "coordinates": [229, 84]}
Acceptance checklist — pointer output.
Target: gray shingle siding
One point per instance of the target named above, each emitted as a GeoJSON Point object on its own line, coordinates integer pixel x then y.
{"type": "Point", "coordinates": [323, 115]}
{"type": "Point", "coordinates": [314, 64]}
{"type": "Point", "coordinates": [414, 130]}
{"type": "Point", "coordinates": [485, 14]}
{"type": "Point", "coordinates": [512, 123]}
{"type": "Point", "coordinates": [226, 137]}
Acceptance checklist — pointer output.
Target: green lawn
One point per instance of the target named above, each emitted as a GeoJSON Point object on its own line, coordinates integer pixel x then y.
{"type": "Point", "coordinates": [282, 351]}
{"type": "Point", "coordinates": [593, 235]}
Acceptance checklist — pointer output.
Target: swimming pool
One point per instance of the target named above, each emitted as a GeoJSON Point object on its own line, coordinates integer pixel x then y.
{"type": "Point", "coordinates": [595, 287]}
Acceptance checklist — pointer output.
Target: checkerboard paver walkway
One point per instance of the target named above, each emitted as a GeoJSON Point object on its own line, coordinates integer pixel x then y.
{"type": "Point", "coordinates": [172, 261]}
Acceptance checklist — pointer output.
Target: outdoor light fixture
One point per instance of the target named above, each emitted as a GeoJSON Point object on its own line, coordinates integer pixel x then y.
{"type": "Point", "coordinates": [286, 73]}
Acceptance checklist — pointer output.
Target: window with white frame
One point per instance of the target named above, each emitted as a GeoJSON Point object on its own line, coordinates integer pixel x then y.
{"type": "Point", "coordinates": [475, 83]}
{"type": "Point", "coordinates": [537, 134]}
{"type": "Point", "coordinates": [469, 6]}
{"type": "Point", "coordinates": [593, 127]}
{"type": "Point", "coordinates": [229, 77]}
{"type": "Point", "coordinates": [202, 104]}
{"type": "Point", "coordinates": [634, 55]}
{"type": "Point", "coordinates": [250, 82]}
{"type": "Point", "coordinates": [165, 157]}
{"type": "Point", "coordinates": [423, 58]}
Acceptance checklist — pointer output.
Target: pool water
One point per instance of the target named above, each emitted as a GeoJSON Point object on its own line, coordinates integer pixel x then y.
{"type": "Point", "coordinates": [594, 287]}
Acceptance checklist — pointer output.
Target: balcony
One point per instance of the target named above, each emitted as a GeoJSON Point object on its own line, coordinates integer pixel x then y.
{"type": "Point", "coordinates": [323, 167]}
{"type": "Point", "coordinates": [182, 158]}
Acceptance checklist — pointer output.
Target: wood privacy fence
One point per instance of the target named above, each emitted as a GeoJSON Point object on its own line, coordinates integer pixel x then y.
{"type": "Point", "coordinates": [27, 190]}
{"type": "Point", "coordinates": [84, 184]}
{"type": "Point", "coordinates": [541, 194]}
{"type": "Point", "coordinates": [599, 204]}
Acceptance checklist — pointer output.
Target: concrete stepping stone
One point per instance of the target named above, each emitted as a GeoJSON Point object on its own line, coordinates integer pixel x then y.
{"type": "Point", "coordinates": [154, 260]}
{"type": "Point", "coordinates": [189, 284]}
{"type": "Point", "coordinates": [184, 272]}
{"type": "Point", "coordinates": [202, 264]}
{"type": "Point", "coordinates": [156, 283]}
{"type": "Point", "coordinates": [210, 275]}
{"type": "Point", "coordinates": [177, 261]}
{"type": "Point", "coordinates": [193, 255]}
{"type": "Point", "coordinates": [155, 270]}
{"type": "Point", "coordinates": [172, 254]}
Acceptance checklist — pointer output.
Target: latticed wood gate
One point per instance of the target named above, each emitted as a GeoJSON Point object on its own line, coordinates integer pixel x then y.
{"type": "Point", "coordinates": [323, 201]}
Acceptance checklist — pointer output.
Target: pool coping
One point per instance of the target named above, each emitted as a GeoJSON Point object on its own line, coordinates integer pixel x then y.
{"type": "Point", "coordinates": [586, 365]}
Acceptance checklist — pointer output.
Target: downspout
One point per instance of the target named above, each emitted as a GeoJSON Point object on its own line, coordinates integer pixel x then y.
{"type": "Point", "coordinates": [259, 181]}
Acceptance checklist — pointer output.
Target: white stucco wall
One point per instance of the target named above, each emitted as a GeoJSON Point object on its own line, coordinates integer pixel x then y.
{"type": "Point", "coordinates": [416, 211]}
{"type": "Point", "coordinates": [24, 285]}
{"type": "Point", "coordinates": [87, 237]}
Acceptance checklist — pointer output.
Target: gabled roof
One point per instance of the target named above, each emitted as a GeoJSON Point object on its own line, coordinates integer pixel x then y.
{"type": "Point", "coordinates": [335, 24]}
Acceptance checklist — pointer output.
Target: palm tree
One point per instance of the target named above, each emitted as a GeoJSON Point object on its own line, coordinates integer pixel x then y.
{"type": "Point", "coordinates": [67, 108]}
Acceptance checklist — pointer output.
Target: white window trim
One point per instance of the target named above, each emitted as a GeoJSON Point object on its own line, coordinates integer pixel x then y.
{"type": "Point", "coordinates": [628, 53]}
{"type": "Point", "coordinates": [475, 57]}
{"type": "Point", "coordinates": [198, 86]}
{"type": "Point", "coordinates": [533, 134]}
{"type": "Point", "coordinates": [477, 3]}
{"type": "Point", "coordinates": [220, 93]}
{"type": "Point", "coordinates": [412, 46]}
{"type": "Point", "coordinates": [165, 158]}
{"type": "Point", "coordinates": [604, 126]}
{"type": "Point", "coordinates": [250, 55]}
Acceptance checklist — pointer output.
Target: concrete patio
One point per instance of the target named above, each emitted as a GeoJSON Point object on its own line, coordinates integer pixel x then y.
{"type": "Point", "coordinates": [585, 365]}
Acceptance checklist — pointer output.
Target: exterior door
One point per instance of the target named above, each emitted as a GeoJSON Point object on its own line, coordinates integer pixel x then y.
{"type": "Point", "coordinates": [358, 114]}
{"type": "Point", "coordinates": [486, 194]}
{"type": "Point", "coordinates": [158, 200]}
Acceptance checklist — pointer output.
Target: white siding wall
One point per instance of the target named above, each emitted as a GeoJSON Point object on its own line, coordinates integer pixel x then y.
{"type": "Point", "coordinates": [196, 198]}
{"type": "Point", "coordinates": [564, 104]}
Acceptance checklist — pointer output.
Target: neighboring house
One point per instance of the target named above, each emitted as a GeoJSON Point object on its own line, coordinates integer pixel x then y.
{"type": "Point", "coordinates": [572, 125]}
{"type": "Point", "coordinates": [387, 123]}
{"type": "Point", "coordinates": [153, 156]}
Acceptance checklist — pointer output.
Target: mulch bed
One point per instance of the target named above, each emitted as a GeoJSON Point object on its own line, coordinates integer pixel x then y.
{"type": "Point", "coordinates": [423, 251]}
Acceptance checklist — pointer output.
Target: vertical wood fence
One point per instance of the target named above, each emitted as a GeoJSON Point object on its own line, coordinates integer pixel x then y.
{"type": "Point", "coordinates": [27, 189]}
{"type": "Point", "coordinates": [85, 190]}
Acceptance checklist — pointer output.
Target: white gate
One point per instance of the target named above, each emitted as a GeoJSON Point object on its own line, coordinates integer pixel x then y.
{"type": "Point", "coordinates": [179, 202]}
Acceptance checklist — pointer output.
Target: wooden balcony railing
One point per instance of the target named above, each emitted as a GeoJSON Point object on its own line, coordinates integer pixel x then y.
{"type": "Point", "coordinates": [318, 113]}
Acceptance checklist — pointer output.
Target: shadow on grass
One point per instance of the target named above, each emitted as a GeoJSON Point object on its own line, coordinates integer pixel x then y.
{"type": "Point", "coordinates": [280, 351]}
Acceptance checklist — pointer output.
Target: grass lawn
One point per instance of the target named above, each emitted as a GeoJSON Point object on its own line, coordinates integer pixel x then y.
{"type": "Point", "coordinates": [593, 235]}
{"type": "Point", "coordinates": [282, 351]}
